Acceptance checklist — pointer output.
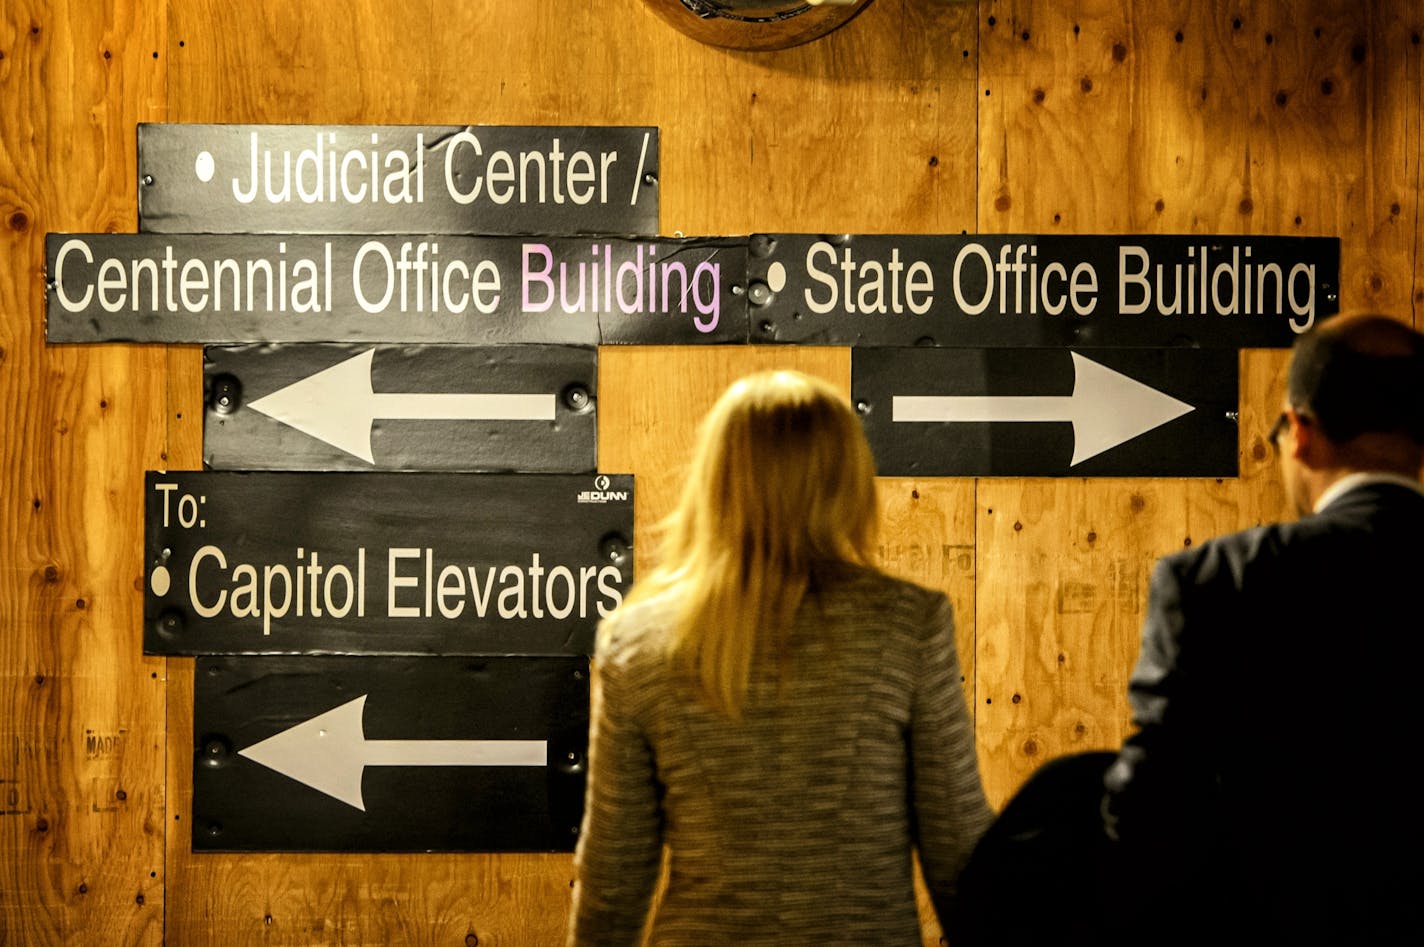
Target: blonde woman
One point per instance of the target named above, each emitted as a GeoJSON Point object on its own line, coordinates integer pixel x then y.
{"type": "Point", "coordinates": [782, 716]}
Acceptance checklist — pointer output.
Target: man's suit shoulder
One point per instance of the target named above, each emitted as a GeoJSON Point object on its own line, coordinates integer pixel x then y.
{"type": "Point", "coordinates": [1228, 556]}
{"type": "Point", "coordinates": [1361, 514]}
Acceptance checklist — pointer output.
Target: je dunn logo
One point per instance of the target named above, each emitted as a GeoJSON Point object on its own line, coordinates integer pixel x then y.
{"type": "Point", "coordinates": [601, 494]}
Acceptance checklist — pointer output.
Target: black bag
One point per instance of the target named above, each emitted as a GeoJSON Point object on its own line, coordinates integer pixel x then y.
{"type": "Point", "coordinates": [1045, 873]}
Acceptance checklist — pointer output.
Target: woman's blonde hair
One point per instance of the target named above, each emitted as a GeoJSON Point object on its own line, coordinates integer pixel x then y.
{"type": "Point", "coordinates": [782, 479]}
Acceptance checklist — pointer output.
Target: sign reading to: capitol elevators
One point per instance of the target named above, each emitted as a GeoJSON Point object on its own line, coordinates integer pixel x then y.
{"type": "Point", "coordinates": [383, 563]}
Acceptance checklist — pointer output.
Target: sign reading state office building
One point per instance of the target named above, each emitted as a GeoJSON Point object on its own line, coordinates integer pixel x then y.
{"type": "Point", "coordinates": [1026, 290]}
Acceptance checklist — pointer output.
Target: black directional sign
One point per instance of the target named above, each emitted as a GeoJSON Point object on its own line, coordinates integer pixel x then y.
{"type": "Point", "coordinates": [492, 179]}
{"type": "Point", "coordinates": [932, 412]}
{"type": "Point", "coordinates": [399, 754]}
{"type": "Point", "coordinates": [408, 289]}
{"type": "Point", "coordinates": [1036, 290]}
{"type": "Point", "coordinates": [434, 407]}
{"type": "Point", "coordinates": [383, 563]}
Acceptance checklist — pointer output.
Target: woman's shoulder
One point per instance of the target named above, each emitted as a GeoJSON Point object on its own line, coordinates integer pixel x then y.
{"type": "Point", "coordinates": [634, 630]}
{"type": "Point", "coordinates": [863, 587]}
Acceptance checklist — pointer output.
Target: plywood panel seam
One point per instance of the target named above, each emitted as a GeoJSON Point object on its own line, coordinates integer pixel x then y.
{"type": "Point", "coordinates": [1414, 68]}
{"type": "Point", "coordinates": [974, 605]}
{"type": "Point", "coordinates": [978, 198]}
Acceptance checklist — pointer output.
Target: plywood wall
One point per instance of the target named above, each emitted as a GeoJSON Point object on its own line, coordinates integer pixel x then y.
{"type": "Point", "coordinates": [920, 116]}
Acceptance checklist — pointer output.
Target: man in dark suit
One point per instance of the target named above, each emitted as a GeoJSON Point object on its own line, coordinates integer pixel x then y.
{"type": "Point", "coordinates": [1269, 793]}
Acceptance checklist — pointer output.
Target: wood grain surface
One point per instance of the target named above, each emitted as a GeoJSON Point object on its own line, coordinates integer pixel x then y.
{"type": "Point", "coordinates": [918, 116]}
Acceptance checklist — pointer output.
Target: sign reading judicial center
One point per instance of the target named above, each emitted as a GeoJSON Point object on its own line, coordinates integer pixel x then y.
{"type": "Point", "coordinates": [473, 179]}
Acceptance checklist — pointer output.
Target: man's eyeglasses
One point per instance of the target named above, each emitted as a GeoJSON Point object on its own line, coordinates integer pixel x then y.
{"type": "Point", "coordinates": [1277, 429]}
{"type": "Point", "coordinates": [1283, 422]}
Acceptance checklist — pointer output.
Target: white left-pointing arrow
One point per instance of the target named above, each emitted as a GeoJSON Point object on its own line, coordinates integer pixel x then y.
{"type": "Point", "coordinates": [338, 405]}
{"type": "Point", "coordinates": [1107, 408]}
{"type": "Point", "coordinates": [330, 752]}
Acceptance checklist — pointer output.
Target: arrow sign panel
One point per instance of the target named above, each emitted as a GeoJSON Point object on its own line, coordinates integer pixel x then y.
{"type": "Point", "coordinates": [383, 563]}
{"type": "Point", "coordinates": [1046, 412]}
{"type": "Point", "coordinates": [1106, 408]}
{"type": "Point", "coordinates": [324, 753]}
{"type": "Point", "coordinates": [330, 752]}
{"type": "Point", "coordinates": [332, 407]}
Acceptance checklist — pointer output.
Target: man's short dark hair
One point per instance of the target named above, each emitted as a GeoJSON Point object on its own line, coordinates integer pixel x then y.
{"type": "Point", "coordinates": [1360, 374]}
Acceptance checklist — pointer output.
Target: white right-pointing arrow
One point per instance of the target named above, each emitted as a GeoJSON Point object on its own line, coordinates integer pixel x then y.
{"type": "Point", "coordinates": [1106, 408]}
{"type": "Point", "coordinates": [330, 752]}
{"type": "Point", "coordinates": [337, 405]}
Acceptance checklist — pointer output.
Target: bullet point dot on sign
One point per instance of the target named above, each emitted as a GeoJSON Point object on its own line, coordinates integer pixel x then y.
{"type": "Point", "coordinates": [204, 167]}
{"type": "Point", "coordinates": [776, 277]}
{"type": "Point", "coordinates": [159, 581]}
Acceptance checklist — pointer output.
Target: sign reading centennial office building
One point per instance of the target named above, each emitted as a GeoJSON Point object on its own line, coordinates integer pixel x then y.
{"type": "Point", "coordinates": [383, 563]}
{"type": "Point", "coordinates": [408, 288]}
{"type": "Point", "coordinates": [482, 179]}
